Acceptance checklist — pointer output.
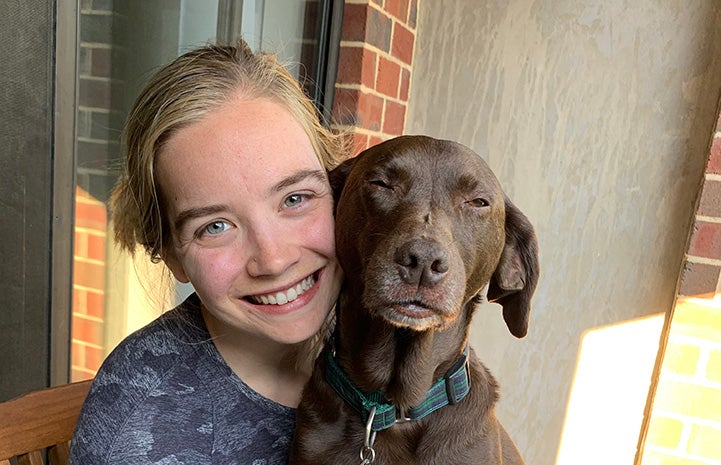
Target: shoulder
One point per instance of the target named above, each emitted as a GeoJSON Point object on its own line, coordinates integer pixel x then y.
{"type": "Point", "coordinates": [149, 382]}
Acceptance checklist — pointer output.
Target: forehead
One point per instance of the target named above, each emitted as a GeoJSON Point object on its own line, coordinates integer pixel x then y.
{"type": "Point", "coordinates": [419, 158]}
{"type": "Point", "coordinates": [241, 144]}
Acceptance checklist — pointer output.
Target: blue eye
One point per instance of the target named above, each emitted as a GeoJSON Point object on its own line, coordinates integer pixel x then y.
{"type": "Point", "coordinates": [216, 227]}
{"type": "Point", "coordinates": [293, 200]}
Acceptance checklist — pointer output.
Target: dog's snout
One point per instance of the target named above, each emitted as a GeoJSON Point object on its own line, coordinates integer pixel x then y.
{"type": "Point", "coordinates": [422, 262]}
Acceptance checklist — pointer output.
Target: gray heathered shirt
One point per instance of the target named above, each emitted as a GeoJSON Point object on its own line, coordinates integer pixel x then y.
{"type": "Point", "coordinates": [165, 396]}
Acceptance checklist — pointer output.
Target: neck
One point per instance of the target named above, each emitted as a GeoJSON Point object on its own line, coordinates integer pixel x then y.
{"type": "Point", "coordinates": [272, 369]}
{"type": "Point", "coordinates": [402, 363]}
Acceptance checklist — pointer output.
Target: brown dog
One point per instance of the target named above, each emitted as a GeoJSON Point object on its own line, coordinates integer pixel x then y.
{"type": "Point", "coordinates": [422, 230]}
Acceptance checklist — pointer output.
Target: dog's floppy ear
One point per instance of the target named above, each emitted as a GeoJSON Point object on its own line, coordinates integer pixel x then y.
{"type": "Point", "coordinates": [338, 175]}
{"type": "Point", "coordinates": [516, 276]}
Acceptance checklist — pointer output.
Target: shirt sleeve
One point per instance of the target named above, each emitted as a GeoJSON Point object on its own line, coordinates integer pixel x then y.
{"type": "Point", "coordinates": [145, 407]}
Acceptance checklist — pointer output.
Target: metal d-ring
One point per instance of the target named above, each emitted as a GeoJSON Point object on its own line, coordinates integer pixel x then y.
{"type": "Point", "coordinates": [367, 453]}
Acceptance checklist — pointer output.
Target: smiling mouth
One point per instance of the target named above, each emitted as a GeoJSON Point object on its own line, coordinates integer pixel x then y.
{"type": "Point", "coordinates": [283, 297]}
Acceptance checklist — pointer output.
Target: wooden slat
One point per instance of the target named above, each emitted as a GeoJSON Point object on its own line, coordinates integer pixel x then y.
{"type": "Point", "coordinates": [58, 454]}
{"type": "Point", "coordinates": [40, 419]}
{"type": "Point", "coordinates": [31, 458]}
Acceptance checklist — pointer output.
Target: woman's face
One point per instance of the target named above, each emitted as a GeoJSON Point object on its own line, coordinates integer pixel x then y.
{"type": "Point", "coordinates": [251, 217]}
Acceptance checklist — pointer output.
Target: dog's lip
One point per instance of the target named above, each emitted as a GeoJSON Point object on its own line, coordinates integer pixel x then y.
{"type": "Point", "coordinates": [414, 309]}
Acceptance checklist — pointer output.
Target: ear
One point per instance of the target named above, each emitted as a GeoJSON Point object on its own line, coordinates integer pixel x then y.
{"type": "Point", "coordinates": [175, 267]}
{"type": "Point", "coordinates": [516, 276]}
{"type": "Point", "coordinates": [338, 175]}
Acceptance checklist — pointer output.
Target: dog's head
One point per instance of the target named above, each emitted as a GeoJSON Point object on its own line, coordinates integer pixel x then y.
{"type": "Point", "coordinates": [423, 227]}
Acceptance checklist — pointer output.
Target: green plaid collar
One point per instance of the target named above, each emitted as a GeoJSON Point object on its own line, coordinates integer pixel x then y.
{"type": "Point", "coordinates": [448, 390]}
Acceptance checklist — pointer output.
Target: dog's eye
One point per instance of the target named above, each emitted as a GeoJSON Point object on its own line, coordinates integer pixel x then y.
{"type": "Point", "coordinates": [380, 183]}
{"type": "Point", "coordinates": [478, 202]}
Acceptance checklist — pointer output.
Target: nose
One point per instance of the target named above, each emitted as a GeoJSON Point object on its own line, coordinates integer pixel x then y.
{"type": "Point", "coordinates": [422, 262]}
{"type": "Point", "coordinates": [271, 252]}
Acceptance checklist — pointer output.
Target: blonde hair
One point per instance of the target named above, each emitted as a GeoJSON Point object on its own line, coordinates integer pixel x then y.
{"type": "Point", "coordinates": [181, 93]}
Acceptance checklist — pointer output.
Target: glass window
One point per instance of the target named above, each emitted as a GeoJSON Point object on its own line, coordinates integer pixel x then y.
{"type": "Point", "coordinates": [121, 44]}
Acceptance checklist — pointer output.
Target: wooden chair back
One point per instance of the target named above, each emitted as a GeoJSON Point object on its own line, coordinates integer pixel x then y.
{"type": "Point", "coordinates": [40, 420]}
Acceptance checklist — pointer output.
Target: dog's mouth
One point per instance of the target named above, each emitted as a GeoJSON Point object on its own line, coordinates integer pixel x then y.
{"type": "Point", "coordinates": [414, 314]}
{"type": "Point", "coordinates": [414, 309]}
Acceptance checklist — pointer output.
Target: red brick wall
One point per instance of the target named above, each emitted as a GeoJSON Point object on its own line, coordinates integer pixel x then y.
{"type": "Point", "coordinates": [87, 348]}
{"type": "Point", "coordinates": [374, 69]}
{"type": "Point", "coordinates": [702, 271]}
{"type": "Point", "coordinates": [685, 423]}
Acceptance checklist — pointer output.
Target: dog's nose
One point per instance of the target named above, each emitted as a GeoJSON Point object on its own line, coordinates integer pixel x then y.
{"type": "Point", "coordinates": [422, 262]}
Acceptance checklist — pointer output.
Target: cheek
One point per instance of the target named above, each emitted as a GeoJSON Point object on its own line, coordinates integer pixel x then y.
{"type": "Point", "coordinates": [318, 233]}
{"type": "Point", "coordinates": [211, 272]}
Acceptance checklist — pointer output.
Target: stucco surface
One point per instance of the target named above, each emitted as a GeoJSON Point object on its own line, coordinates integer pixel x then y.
{"type": "Point", "coordinates": [596, 117]}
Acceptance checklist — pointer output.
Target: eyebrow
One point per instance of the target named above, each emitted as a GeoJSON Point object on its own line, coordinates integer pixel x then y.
{"type": "Point", "coordinates": [295, 178]}
{"type": "Point", "coordinates": [192, 213]}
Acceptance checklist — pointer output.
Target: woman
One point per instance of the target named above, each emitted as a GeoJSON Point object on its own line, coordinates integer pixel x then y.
{"type": "Point", "coordinates": [225, 182]}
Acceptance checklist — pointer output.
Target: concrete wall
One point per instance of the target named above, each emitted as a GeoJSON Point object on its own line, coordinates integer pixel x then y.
{"type": "Point", "coordinates": [596, 115]}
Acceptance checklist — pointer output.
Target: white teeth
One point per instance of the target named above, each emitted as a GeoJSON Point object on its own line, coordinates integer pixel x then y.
{"type": "Point", "coordinates": [281, 298]}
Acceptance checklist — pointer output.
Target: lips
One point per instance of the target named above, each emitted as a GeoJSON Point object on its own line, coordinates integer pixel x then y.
{"type": "Point", "coordinates": [283, 297]}
{"type": "Point", "coordinates": [413, 310]}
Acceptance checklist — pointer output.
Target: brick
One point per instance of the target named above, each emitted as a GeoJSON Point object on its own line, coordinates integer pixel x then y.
{"type": "Point", "coordinates": [399, 9]}
{"type": "Point", "coordinates": [405, 85]}
{"type": "Point", "coordinates": [87, 274]}
{"type": "Point", "coordinates": [681, 358]}
{"type": "Point", "coordinates": [77, 354]}
{"type": "Point", "coordinates": [354, 22]}
{"type": "Point", "coordinates": [706, 240]}
{"type": "Point", "coordinates": [388, 80]}
{"type": "Point", "coordinates": [93, 357]}
{"type": "Point", "coordinates": [80, 244]}
{"type": "Point", "coordinates": [705, 441]}
{"type": "Point", "coordinates": [94, 93]}
{"type": "Point", "coordinates": [96, 247]}
{"type": "Point", "coordinates": [95, 154]}
{"type": "Point", "coordinates": [345, 106]}
{"type": "Point", "coordinates": [103, 127]}
{"type": "Point", "coordinates": [652, 457]}
{"type": "Point", "coordinates": [370, 111]}
{"type": "Point", "coordinates": [403, 40]}
{"type": "Point", "coordinates": [85, 60]}
{"type": "Point", "coordinates": [100, 62]}
{"type": "Point", "coordinates": [664, 432]}
{"type": "Point", "coordinates": [378, 32]}
{"type": "Point", "coordinates": [714, 161]}
{"type": "Point", "coordinates": [699, 279]}
{"type": "Point", "coordinates": [95, 304]}
{"type": "Point", "coordinates": [80, 301]}
{"type": "Point", "coordinates": [80, 374]}
{"type": "Point", "coordinates": [413, 14]}
{"type": "Point", "coordinates": [685, 398]}
{"type": "Point", "coordinates": [86, 330]}
{"type": "Point", "coordinates": [374, 140]}
{"type": "Point", "coordinates": [356, 65]}
{"type": "Point", "coordinates": [394, 120]}
{"type": "Point", "coordinates": [710, 204]}
{"type": "Point", "coordinates": [96, 28]}
{"type": "Point", "coordinates": [713, 367]}
{"type": "Point", "coordinates": [702, 320]}
{"type": "Point", "coordinates": [360, 143]}
{"type": "Point", "coordinates": [91, 216]}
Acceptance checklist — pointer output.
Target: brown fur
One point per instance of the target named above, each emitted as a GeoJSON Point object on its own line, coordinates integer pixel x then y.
{"type": "Point", "coordinates": [420, 223]}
